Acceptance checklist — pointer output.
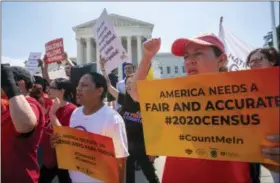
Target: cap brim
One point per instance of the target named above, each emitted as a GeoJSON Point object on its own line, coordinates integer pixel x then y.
{"type": "Point", "coordinates": [179, 45]}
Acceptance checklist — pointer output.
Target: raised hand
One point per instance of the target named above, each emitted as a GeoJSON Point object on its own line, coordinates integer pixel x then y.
{"type": "Point", "coordinates": [151, 47]}
{"type": "Point", "coordinates": [55, 106]}
{"type": "Point", "coordinates": [102, 62]}
{"type": "Point", "coordinates": [65, 56]}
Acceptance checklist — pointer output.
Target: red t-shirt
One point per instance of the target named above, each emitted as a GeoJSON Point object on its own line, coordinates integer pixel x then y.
{"type": "Point", "coordinates": [47, 106]}
{"type": "Point", "coordinates": [19, 154]}
{"type": "Point", "coordinates": [49, 156]}
{"type": "Point", "coordinates": [188, 170]}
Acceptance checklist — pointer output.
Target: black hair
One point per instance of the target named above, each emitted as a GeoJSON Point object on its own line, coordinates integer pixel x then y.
{"type": "Point", "coordinates": [40, 80]}
{"type": "Point", "coordinates": [74, 63]}
{"type": "Point", "coordinates": [131, 64]}
{"type": "Point", "coordinates": [64, 84]}
{"type": "Point", "coordinates": [218, 53]}
{"type": "Point", "coordinates": [21, 73]}
{"type": "Point", "coordinates": [271, 54]}
{"type": "Point", "coordinates": [100, 82]}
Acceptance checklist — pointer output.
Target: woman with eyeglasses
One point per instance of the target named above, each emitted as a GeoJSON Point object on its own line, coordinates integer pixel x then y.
{"type": "Point", "coordinates": [259, 59]}
{"type": "Point", "coordinates": [60, 113]}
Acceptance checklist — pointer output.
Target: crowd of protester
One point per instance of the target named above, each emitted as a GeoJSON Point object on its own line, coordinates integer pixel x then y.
{"type": "Point", "coordinates": [32, 105]}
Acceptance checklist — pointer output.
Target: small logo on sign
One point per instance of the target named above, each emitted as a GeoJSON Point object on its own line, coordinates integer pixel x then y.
{"type": "Point", "coordinates": [200, 152]}
{"type": "Point", "coordinates": [213, 152]}
{"type": "Point", "coordinates": [188, 151]}
{"type": "Point", "coordinates": [229, 154]}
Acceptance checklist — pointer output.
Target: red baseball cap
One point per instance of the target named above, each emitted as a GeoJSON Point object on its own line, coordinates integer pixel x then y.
{"type": "Point", "coordinates": [179, 45]}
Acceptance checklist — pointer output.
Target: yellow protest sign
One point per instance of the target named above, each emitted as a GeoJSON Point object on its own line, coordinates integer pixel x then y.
{"type": "Point", "coordinates": [224, 116]}
{"type": "Point", "coordinates": [150, 75]}
{"type": "Point", "coordinates": [86, 152]}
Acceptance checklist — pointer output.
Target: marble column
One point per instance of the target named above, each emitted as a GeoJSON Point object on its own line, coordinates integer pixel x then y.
{"type": "Point", "coordinates": [89, 51]}
{"type": "Point", "coordinates": [97, 57]}
{"type": "Point", "coordinates": [139, 49]}
{"type": "Point", "coordinates": [79, 51]}
{"type": "Point", "coordinates": [128, 46]}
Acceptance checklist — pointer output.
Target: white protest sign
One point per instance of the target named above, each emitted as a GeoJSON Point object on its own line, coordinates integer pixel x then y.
{"type": "Point", "coordinates": [109, 44]}
{"type": "Point", "coordinates": [32, 62]}
{"type": "Point", "coordinates": [237, 50]}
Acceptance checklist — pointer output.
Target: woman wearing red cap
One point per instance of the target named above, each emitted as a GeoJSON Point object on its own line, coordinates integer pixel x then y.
{"type": "Point", "coordinates": [202, 55]}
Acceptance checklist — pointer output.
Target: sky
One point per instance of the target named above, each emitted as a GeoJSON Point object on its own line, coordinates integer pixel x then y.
{"type": "Point", "coordinates": [27, 26]}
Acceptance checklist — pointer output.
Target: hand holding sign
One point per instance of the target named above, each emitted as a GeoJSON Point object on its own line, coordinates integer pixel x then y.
{"type": "Point", "coordinates": [102, 63]}
{"type": "Point", "coordinates": [151, 47]}
{"type": "Point", "coordinates": [272, 153]}
{"type": "Point", "coordinates": [55, 138]}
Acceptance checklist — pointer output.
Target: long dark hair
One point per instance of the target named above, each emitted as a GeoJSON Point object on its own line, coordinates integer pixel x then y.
{"type": "Point", "coordinates": [65, 84]}
{"type": "Point", "coordinates": [37, 93]}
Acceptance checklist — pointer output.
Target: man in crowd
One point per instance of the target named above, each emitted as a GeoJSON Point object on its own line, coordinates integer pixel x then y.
{"type": "Point", "coordinates": [129, 69]}
{"type": "Point", "coordinates": [22, 122]}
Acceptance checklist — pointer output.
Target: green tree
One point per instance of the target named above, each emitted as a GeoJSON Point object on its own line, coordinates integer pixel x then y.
{"type": "Point", "coordinates": [268, 42]}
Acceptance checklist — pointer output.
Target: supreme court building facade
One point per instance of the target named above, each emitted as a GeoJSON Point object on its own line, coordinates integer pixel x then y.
{"type": "Point", "coordinates": [133, 33]}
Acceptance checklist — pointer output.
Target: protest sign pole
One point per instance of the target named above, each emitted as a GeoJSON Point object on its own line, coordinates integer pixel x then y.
{"type": "Point", "coordinates": [273, 26]}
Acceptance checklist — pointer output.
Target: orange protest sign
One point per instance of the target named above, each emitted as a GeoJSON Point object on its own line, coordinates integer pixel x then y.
{"type": "Point", "coordinates": [86, 152]}
{"type": "Point", "coordinates": [225, 116]}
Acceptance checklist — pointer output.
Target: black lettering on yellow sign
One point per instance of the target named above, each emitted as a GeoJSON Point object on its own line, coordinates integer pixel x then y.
{"type": "Point", "coordinates": [187, 106]}
{"type": "Point", "coordinates": [193, 92]}
{"type": "Point", "coordinates": [254, 88]}
{"type": "Point", "coordinates": [91, 142]}
{"type": "Point", "coordinates": [106, 152]}
{"type": "Point", "coordinates": [244, 103]}
{"type": "Point", "coordinates": [157, 107]}
{"type": "Point", "coordinates": [70, 136]}
{"type": "Point", "coordinates": [226, 120]}
{"type": "Point", "coordinates": [232, 89]}
{"type": "Point", "coordinates": [63, 141]}
{"type": "Point", "coordinates": [227, 89]}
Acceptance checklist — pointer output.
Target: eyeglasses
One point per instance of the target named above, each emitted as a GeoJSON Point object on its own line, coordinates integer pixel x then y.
{"type": "Point", "coordinates": [256, 60]}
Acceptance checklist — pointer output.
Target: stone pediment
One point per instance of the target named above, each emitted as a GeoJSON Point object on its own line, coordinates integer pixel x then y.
{"type": "Point", "coordinates": [117, 21]}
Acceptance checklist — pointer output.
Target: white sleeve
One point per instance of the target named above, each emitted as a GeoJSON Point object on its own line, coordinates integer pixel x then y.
{"type": "Point", "coordinates": [72, 117]}
{"type": "Point", "coordinates": [118, 134]}
{"type": "Point", "coordinates": [118, 86]}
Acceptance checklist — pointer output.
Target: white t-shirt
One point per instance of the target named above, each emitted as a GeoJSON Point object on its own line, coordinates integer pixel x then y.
{"type": "Point", "coordinates": [121, 88]}
{"type": "Point", "coordinates": [105, 121]}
